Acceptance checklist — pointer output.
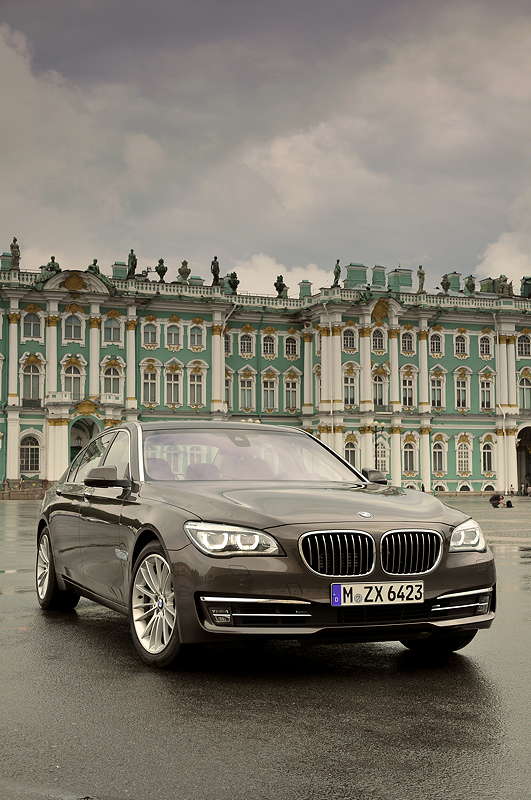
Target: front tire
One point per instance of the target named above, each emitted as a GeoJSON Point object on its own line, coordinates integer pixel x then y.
{"type": "Point", "coordinates": [152, 612]}
{"type": "Point", "coordinates": [49, 595]}
{"type": "Point", "coordinates": [438, 644]}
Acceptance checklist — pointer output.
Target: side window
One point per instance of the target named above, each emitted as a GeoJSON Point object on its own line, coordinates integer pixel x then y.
{"type": "Point", "coordinates": [93, 454]}
{"type": "Point", "coordinates": [74, 467]}
{"type": "Point", "coordinates": [118, 455]}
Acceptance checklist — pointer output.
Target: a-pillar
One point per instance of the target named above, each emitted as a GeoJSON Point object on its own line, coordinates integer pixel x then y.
{"type": "Point", "coordinates": [130, 375]}
{"type": "Point", "coordinates": [12, 445]}
{"type": "Point", "coordinates": [307, 404]}
{"type": "Point", "coordinates": [425, 456]}
{"type": "Point", "coordinates": [394, 380]}
{"type": "Point", "coordinates": [512, 460]}
{"type": "Point", "coordinates": [12, 380]}
{"type": "Point", "coordinates": [218, 365]}
{"type": "Point", "coordinates": [512, 395]}
{"type": "Point", "coordinates": [52, 321]}
{"type": "Point", "coordinates": [57, 446]}
{"type": "Point", "coordinates": [366, 398]}
{"type": "Point", "coordinates": [424, 384]}
{"type": "Point", "coordinates": [94, 350]}
{"type": "Point", "coordinates": [396, 452]}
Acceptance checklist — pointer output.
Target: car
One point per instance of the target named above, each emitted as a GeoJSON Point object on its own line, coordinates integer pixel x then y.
{"type": "Point", "coordinates": [204, 531]}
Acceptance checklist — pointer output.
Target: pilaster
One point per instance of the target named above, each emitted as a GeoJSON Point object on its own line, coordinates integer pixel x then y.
{"type": "Point", "coordinates": [396, 452]}
{"type": "Point", "coordinates": [131, 368]}
{"type": "Point", "coordinates": [217, 405]}
{"type": "Point", "coordinates": [12, 445]}
{"type": "Point", "coordinates": [512, 392]}
{"type": "Point", "coordinates": [425, 455]}
{"type": "Point", "coordinates": [394, 379]}
{"type": "Point", "coordinates": [12, 380]}
{"type": "Point", "coordinates": [366, 396]}
{"type": "Point", "coordinates": [307, 402]}
{"type": "Point", "coordinates": [52, 321]}
{"type": "Point", "coordinates": [94, 350]}
{"type": "Point", "coordinates": [424, 384]}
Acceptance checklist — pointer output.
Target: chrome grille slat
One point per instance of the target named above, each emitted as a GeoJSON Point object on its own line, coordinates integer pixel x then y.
{"type": "Point", "coordinates": [410, 552]}
{"type": "Point", "coordinates": [338, 553]}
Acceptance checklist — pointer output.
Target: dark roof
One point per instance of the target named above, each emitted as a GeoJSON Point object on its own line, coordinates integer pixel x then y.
{"type": "Point", "coordinates": [210, 424]}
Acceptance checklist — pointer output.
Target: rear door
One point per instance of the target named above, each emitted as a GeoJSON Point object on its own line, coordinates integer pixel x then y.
{"type": "Point", "coordinates": [64, 522]}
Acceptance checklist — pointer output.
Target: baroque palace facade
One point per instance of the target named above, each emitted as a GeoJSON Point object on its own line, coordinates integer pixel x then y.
{"type": "Point", "coordinates": [433, 389]}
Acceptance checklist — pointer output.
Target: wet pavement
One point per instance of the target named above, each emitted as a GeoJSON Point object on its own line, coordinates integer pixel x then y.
{"type": "Point", "coordinates": [81, 717]}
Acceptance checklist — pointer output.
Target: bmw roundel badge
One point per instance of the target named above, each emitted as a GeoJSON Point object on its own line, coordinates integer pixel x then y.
{"type": "Point", "coordinates": [365, 514]}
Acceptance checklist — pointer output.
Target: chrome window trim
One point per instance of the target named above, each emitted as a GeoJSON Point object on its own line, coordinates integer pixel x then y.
{"type": "Point", "coordinates": [270, 616]}
{"type": "Point", "coordinates": [413, 530]}
{"type": "Point", "coordinates": [117, 431]}
{"type": "Point", "coordinates": [461, 594]}
{"type": "Point", "coordinates": [252, 600]}
{"type": "Point", "coordinates": [338, 530]}
{"type": "Point", "coordinates": [140, 453]}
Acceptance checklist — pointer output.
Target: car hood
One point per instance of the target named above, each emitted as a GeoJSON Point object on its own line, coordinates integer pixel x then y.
{"type": "Point", "coordinates": [267, 504]}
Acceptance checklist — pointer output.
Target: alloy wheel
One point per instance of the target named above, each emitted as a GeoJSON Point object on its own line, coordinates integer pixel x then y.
{"type": "Point", "coordinates": [43, 566]}
{"type": "Point", "coordinates": [153, 603]}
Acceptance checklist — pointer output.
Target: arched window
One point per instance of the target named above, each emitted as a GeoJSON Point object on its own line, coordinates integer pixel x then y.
{"type": "Point", "coordinates": [73, 328]}
{"type": "Point", "coordinates": [31, 382]}
{"type": "Point", "coordinates": [29, 454]}
{"type": "Point", "coordinates": [435, 343]}
{"type": "Point", "coordinates": [381, 456]}
{"type": "Point", "coordinates": [464, 488]}
{"type": "Point", "coordinates": [246, 344]}
{"type": "Point", "coordinates": [290, 346]}
{"type": "Point", "coordinates": [377, 339]}
{"type": "Point", "coordinates": [73, 382]}
{"type": "Point", "coordinates": [525, 393]}
{"type": "Point", "coordinates": [173, 338]}
{"type": "Point", "coordinates": [488, 488]}
{"type": "Point", "coordinates": [524, 345]}
{"type": "Point", "coordinates": [111, 330]}
{"type": "Point", "coordinates": [268, 346]}
{"type": "Point", "coordinates": [32, 326]}
{"type": "Point", "coordinates": [407, 342]}
{"type": "Point", "coordinates": [173, 387]}
{"type": "Point", "coordinates": [409, 457]}
{"type": "Point", "coordinates": [438, 457]}
{"type": "Point", "coordinates": [378, 391]}
{"type": "Point", "coordinates": [111, 381]}
{"type": "Point", "coordinates": [196, 336]}
{"type": "Point", "coordinates": [460, 345]}
{"type": "Point", "coordinates": [463, 457]}
{"type": "Point", "coordinates": [439, 488]}
{"type": "Point", "coordinates": [227, 341]}
{"type": "Point", "coordinates": [351, 453]}
{"type": "Point", "coordinates": [349, 339]}
{"type": "Point", "coordinates": [487, 457]}
{"type": "Point", "coordinates": [150, 334]}
{"type": "Point", "coordinates": [484, 346]}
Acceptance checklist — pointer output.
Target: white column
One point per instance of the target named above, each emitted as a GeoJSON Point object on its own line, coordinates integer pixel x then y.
{"type": "Point", "coordinates": [501, 371]}
{"type": "Point", "coordinates": [218, 365]}
{"type": "Point", "coordinates": [57, 451]}
{"type": "Point", "coordinates": [394, 381]}
{"type": "Point", "coordinates": [396, 453]}
{"type": "Point", "coordinates": [512, 460]}
{"type": "Point", "coordinates": [12, 380]}
{"type": "Point", "coordinates": [12, 445]}
{"type": "Point", "coordinates": [94, 350]}
{"type": "Point", "coordinates": [130, 376]}
{"type": "Point", "coordinates": [52, 321]}
{"type": "Point", "coordinates": [425, 457]}
{"type": "Point", "coordinates": [366, 399]}
{"type": "Point", "coordinates": [423, 387]}
{"type": "Point", "coordinates": [512, 396]}
{"type": "Point", "coordinates": [335, 365]}
{"type": "Point", "coordinates": [500, 458]}
{"type": "Point", "coordinates": [366, 446]}
{"type": "Point", "coordinates": [326, 374]}
{"type": "Point", "coordinates": [307, 405]}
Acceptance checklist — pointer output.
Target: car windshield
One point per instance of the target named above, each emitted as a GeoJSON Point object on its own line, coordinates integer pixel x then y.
{"type": "Point", "coordinates": [237, 455]}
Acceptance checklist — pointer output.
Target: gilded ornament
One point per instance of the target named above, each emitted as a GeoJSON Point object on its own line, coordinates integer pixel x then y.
{"type": "Point", "coordinates": [94, 322]}
{"type": "Point", "coordinates": [113, 313]}
{"type": "Point", "coordinates": [217, 330]}
{"type": "Point", "coordinates": [74, 283]}
{"type": "Point", "coordinates": [131, 324]}
{"type": "Point", "coordinates": [86, 407]}
{"type": "Point", "coordinates": [14, 317]}
{"type": "Point", "coordinates": [52, 321]}
{"type": "Point", "coordinates": [423, 335]}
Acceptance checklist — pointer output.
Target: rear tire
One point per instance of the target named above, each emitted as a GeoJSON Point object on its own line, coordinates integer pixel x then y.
{"type": "Point", "coordinates": [152, 611]}
{"type": "Point", "coordinates": [439, 643]}
{"type": "Point", "coordinates": [49, 595]}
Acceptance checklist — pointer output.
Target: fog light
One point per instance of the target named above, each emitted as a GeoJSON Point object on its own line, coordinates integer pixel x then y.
{"type": "Point", "coordinates": [221, 615]}
{"type": "Point", "coordinates": [483, 604]}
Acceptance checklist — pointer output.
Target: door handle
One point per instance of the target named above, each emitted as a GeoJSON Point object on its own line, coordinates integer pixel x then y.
{"type": "Point", "coordinates": [87, 494]}
{"type": "Point", "coordinates": [59, 492]}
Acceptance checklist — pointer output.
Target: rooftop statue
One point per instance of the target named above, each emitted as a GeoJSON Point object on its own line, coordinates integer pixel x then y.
{"type": "Point", "coordinates": [502, 286]}
{"type": "Point", "coordinates": [95, 270]}
{"type": "Point", "coordinates": [47, 272]}
{"type": "Point", "coordinates": [161, 270]}
{"type": "Point", "coordinates": [52, 265]}
{"type": "Point", "coordinates": [337, 275]}
{"type": "Point", "coordinates": [184, 272]}
{"type": "Point", "coordinates": [132, 264]}
{"type": "Point", "coordinates": [233, 282]}
{"type": "Point", "coordinates": [15, 253]}
{"type": "Point", "coordinates": [470, 284]}
{"type": "Point", "coordinates": [445, 284]}
{"type": "Point", "coordinates": [280, 286]}
{"type": "Point", "coordinates": [214, 269]}
{"type": "Point", "coordinates": [421, 275]}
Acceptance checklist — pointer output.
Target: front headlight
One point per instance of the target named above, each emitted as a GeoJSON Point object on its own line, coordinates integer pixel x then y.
{"type": "Point", "coordinates": [215, 539]}
{"type": "Point", "coordinates": [467, 536]}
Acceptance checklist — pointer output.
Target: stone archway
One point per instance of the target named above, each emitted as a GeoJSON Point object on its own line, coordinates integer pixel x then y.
{"type": "Point", "coordinates": [81, 432]}
{"type": "Point", "coordinates": [523, 456]}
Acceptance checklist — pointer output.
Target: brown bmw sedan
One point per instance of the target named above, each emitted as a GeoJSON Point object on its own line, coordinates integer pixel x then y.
{"type": "Point", "coordinates": [208, 531]}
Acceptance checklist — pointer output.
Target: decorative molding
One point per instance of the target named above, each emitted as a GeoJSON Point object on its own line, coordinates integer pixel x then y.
{"type": "Point", "coordinates": [74, 308]}
{"type": "Point", "coordinates": [131, 324]}
{"type": "Point", "coordinates": [57, 421]}
{"type": "Point", "coordinates": [74, 283]}
{"type": "Point", "coordinates": [217, 330]}
{"type": "Point", "coordinates": [113, 313]}
{"type": "Point", "coordinates": [52, 321]}
{"type": "Point", "coordinates": [94, 322]}
{"type": "Point", "coordinates": [14, 317]}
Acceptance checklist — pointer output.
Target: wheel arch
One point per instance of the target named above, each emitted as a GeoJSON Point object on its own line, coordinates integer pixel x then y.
{"type": "Point", "coordinates": [145, 535]}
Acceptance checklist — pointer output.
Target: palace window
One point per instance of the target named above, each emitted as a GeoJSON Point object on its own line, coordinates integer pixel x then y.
{"type": "Point", "coordinates": [485, 346]}
{"type": "Point", "coordinates": [460, 345]}
{"type": "Point", "coordinates": [31, 382]}
{"type": "Point", "coordinates": [290, 347]}
{"type": "Point", "coordinates": [487, 461]}
{"type": "Point", "coordinates": [485, 392]}
{"type": "Point", "coordinates": [111, 330]}
{"type": "Point", "coordinates": [246, 344]}
{"type": "Point", "coordinates": [437, 387]}
{"type": "Point", "coordinates": [407, 392]}
{"type": "Point", "coordinates": [150, 334]}
{"type": "Point", "coordinates": [268, 389]}
{"type": "Point", "coordinates": [111, 381]}
{"type": "Point", "coordinates": [228, 392]}
{"type": "Point", "coordinates": [196, 389]}
{"type": "Point", "coordinates": [351, 453]}
{"type": "Point", "coordinates": [268, 346]}
{"type": "Point", "coordinates": [461, 393]}
{"type": "Point", "coordinates": [463, 458]}
{"type": "Point", "coordinates": [73, 328]}
{"type": "Point", "coordinates": [525, 393]}
{"type": "Point", "coordinates": [381, 456]}
{"type": "Point", "coordinates": [291, 394]}
{"type": "Point", "coordinates": [524, 346]}
{"type": "Point", "coordinates": [149, 386]}
{"type": "Point", "coordinates": [246, 393]}
{"type": "Point", "coordinates": [435, 344]}
{"type": "Point", "coordinates": [377, 339]}
{"type": "Point", "coordinates": [29, 454]}
{"type": "Point", "coordinates": [409, 457]}
{"type": "Point", "coordinates": [407, 342]}
{"type": "Point", "coordinates": [196, 336]}
{"type": "Point", "coordinates": [378, 391]}
{"type": "Point", "coordinates": [227, 344]}
{"type": "Point", "coordinates": [438, 457]}
{"type": "Point", "coordinates": [73, 382]}
{"type": "Point", "coordinates": [173, 337]}
{"type": "Point", "coordinates": [349, 390]}
{"type": "Point", "coordinates": [349, 339]}
{"type": "Point", "coordinates": [173, 388]}
{"type": "Point", "coordinates": [32, 327]}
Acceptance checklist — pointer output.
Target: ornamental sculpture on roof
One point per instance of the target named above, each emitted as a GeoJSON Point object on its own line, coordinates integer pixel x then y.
{"type": "Point", "coordinates": [214, 269]}
{"type": "Point", "coordinates": [337, 275]}
{"type": "Point", "coordinates": [15, 253]}
{"type": "Point", "coordinates": [132, 263]}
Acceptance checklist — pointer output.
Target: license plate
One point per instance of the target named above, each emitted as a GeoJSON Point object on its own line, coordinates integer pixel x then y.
{"type": "Point", "coordinates": [376, 594]}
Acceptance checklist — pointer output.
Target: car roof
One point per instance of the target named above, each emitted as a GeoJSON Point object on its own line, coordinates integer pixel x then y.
{"type": "Point", "coordinates": [213, 424]}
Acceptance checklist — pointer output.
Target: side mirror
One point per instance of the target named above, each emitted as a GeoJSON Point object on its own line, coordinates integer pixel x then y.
{"type": "Point", "coordinates": [105, 477]}
{"type": "Point", "coordinates": [374, 476]}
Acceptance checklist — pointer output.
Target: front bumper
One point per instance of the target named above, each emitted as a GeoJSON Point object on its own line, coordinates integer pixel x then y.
{"type": "Point", "coordinates": [277, 597]}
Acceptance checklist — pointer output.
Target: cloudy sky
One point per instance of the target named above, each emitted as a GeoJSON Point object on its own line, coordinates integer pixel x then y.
{"type": "Point", "coordinates": [277, 135]}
